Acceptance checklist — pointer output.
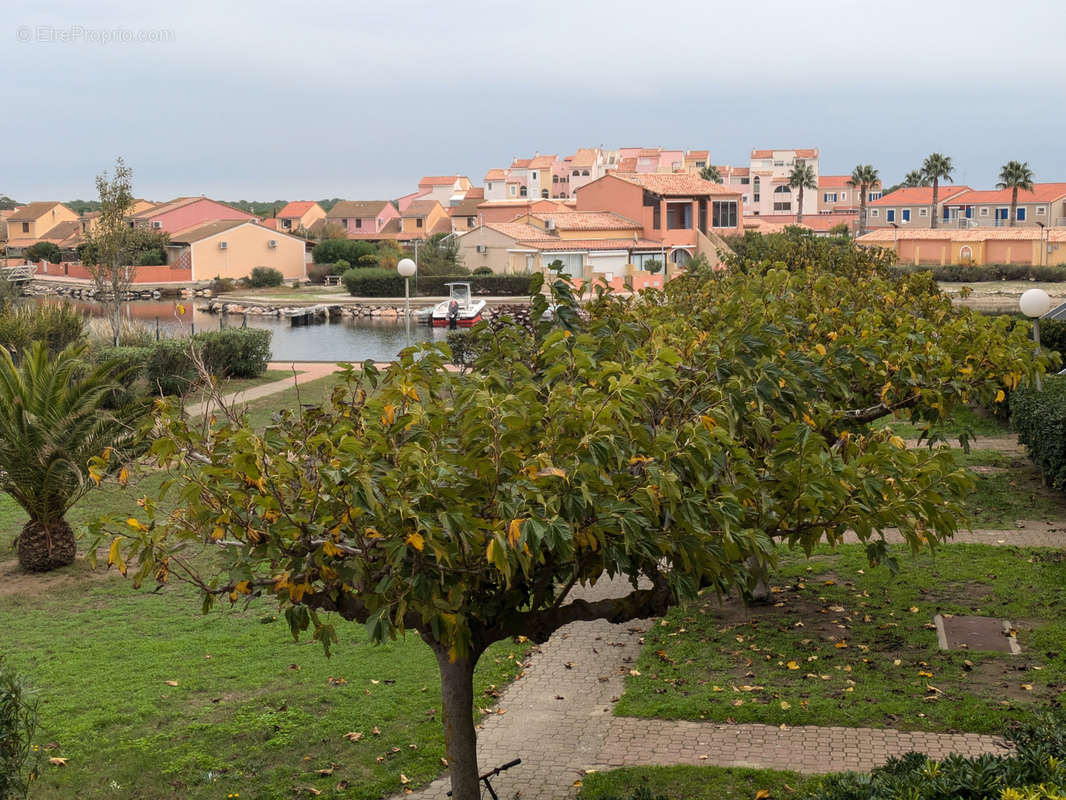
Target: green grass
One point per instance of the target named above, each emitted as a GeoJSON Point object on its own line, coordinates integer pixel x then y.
{"type": "Point", "coordinates": [974, 421]}
{"type": "Point", "coordinates": [231, 385]}
{"type": "Point", "coordinates": [252, 712]}
{"type": "Point", "coordinates": [787, 663]}
{"type": "Point", "coordinates": [262, 410]}
{"type": "Point", "coordinates": [694, 783]}
{"type": "Point", "coordinates": [1009, 489]}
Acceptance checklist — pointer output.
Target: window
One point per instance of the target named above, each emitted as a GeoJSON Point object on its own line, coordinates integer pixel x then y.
{"type": "Point", "coordinates": [843, 196]}
{"type": "Point", "coordinates": [724, 214]}
{"type": "Point", "coordinates": [782, 198]}
{"type": "Point", "coordinates": [1041, 211]}
{"type": "Point", "coordinates": [358, 223]}
{"type": "Point", "coordinates": [746, 181]}
{"type": "Point", "coordinates": [555, 178]}
{"type": "Point", "coordinates": [703, 214]}
{"type": "Point", "coordinates": [657, 217]}
{"type": "Point", "coordinates": [680, 257]}
{"type": "Point", "coordinates": [779, 163]}
{"type": "Point", "coordinates": [873, 196]}
{"type": "Point", "coordinates": [1021, 214]}
{"type": "Point", "coordinates": [639, 259]}
{"type": "Point", "coordinates": [418, 222]}
{"type": "Point", "coordinates": [470, 221]}
{"type": "Point", "coordinates": [26, 227]}
{"type": "Point", "coordinates": [156, 224]}
{"type": "Point", "coordinates": [490, 187]}
{"type": "Point", "coordinates": [577, 172]}
{"type": "Point", "coordinates": [512, 191]}
{"type": "Point", "coordinates": [984, 212]}
{"type": "Point", "coordinates": [875, 212]}
{"type": "Point", "coordinates": [570, 263]}
{"type": "Point", "coordinates": [678, 216]}
{"type": "Point", "coordinates": [585, 172]}
{"type": "Point", "coordinates": [344, 222]}
{"type": "Point", "coordinates": [701, 164]}
{"type": "Point", "coordinates": [906, 215]}
{"type": "Point", "coordinates": [890, 215]}
{"type": "Point", "coordinates": [522, 191]}
{"type": "Point", "coordinates": [286, 224]}
{"type": "Point", "coordinates": [829, 197]}
{"type": "Point", "coordinates": [924, 212]}
{"type": "Point", "coordinates": [545, 193]}
{"type": "Point", "coordinates": [755, 189]}
{"type": "Point", "coordinates": [1002, 213]}
{"type": "Point", "coordinates": [965, 253]}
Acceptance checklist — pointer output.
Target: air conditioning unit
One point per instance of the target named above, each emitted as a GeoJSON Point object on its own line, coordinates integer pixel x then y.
{"type": "Point", "coordinates": [272, 243]}
{"type": "Point", "coordinates": [482, 248]}
{"type": "Point", "coordinates": [223, 245]}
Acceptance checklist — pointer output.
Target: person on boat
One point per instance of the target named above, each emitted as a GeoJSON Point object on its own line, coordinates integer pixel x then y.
{"type": "Point", "coordinates": [453, 314]}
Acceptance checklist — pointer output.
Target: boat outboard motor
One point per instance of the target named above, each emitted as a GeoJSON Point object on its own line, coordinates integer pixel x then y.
{"type": "Point", "coordinates": [453, 314]}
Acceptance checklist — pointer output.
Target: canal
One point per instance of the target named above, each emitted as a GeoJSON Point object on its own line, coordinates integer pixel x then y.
{"type": "Point", "coordinates": [347, 339]}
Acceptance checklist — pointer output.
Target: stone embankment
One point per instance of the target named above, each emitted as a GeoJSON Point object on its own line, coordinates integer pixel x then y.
{"type": "Point", "coordinates": [386, 311]}
{"type": "Point", "coordinates": [89, 292]}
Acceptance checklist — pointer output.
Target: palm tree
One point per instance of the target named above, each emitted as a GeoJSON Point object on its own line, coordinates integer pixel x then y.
{"type": "Point", "coordinates": [863, 178]}
{"type": "Point", "coordinates": [914, 179]}
{"type": "Point", "coordinates": [935, 168]}
{"type": "Point", "coordinates": [802, 177]}
{"type": "Point", "coordinates": [1015, 175]}
{"type": "Point", "coordinates": [52, 421]}
{"type": "Point", "coordinates": [711, 173]}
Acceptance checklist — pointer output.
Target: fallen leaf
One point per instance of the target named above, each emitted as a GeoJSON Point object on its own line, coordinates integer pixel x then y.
{"type": "Point", "coordinates": [325, 773]}
{"type": "Point", "coordinates": [792, 665]}
{"type": "Point", "coordinates": [404, 778]}
{"type": "Point", "coordinates": [57, 762]}
{"type": "Point", "coordinates": [762, 794]}
{"type": "Point", "coordinates": [785, 705]}
{"type": "Point", "coordinates": [171, 683]}
{"type": "Point", "coordinates": [353, 736]}
{"type": "Point", "coordinates": [1027, 686]}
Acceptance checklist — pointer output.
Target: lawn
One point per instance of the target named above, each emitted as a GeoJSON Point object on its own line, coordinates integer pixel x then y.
{"type": "Point", "coordinates": [974, 421]}
{"type": "Point", "coordinates": [695, 783]}
{"type": "Point", "coordinates": [842, 643]}
{"type": "Point", "coordinates": [146, 697]}
{"type": "Point", "coordinates": [1009, 489]}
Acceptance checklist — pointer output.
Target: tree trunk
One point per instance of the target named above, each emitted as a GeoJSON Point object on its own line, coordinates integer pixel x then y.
{"type": "Point", "coordinates": [1014, 207]}
{"type": "Point", "coordinates": [46, 545]}
{"type": "Point", "coordinates": [936, 191]}
{"type": "Point", "coordinates": [759, 592]}
{"type": "Point", "coordinates": [799, 209]}
{"type": "Point", "coordinates": [862, 210]}
{"type": "Point", "coordinates": [460, 737]}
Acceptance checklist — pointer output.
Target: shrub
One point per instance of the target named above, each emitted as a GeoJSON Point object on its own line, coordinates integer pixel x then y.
{"type": "Point", "coordinates": [330, 251]}
{"type": "Point", "coordinates": [57, 325]}
{"type": "Point", "coordinates": [963, 273]}
{"type": "Point", "coordinates": [169, 369]}
{"type": "Point", "coordinates": [18, 724]}
{"type": "Point", "coordinates": [1039, 417]}
{"type": "Point", "coordinates": [49, 251]}
{"type": "Point", "coordinates": [483, 271]}
{"type": "Point", "coordinates": [265, 276]}
{"type": "Point", "coordinates": [222, 285]}
{"type": "Point", "coordinates": [341, 267]}
{"type": "Point", "coordinates": [236, 352]}
{"type": "Point", "coordinates": [372, 282]}
{"type": "Point", "coordinates": [653, 265]}
{"type": "Point", "coordinates": [131, 361]}
{"type": "Point", "coordinates": [316, 273]}
{"type": "Point", "coordinates": [1053, 335]}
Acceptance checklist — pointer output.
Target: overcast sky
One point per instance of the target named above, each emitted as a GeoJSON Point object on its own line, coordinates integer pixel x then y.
{"type": "Point", "coordinates": [314, 99]}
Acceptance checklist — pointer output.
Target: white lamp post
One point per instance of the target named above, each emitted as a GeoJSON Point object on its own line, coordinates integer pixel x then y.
{"type": "Point", "coordinates": [407, 268]}
{"type": "Point", "coordinates": [1034, 303]}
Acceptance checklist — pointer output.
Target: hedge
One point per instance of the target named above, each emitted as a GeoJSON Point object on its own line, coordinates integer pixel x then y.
{"type": "Point", "coordinates": [1039, 417]}
{"type": "Point", "coordinates": [330, 251]}
{"type": "Point", "coordinates": [386, 283]}
{"type": "Point", "coordinates": [168, 366]}
{"type": "Point", "coordinates": [960, 273]}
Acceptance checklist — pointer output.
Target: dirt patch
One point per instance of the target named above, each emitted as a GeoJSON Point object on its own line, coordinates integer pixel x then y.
{"type": "Point", "coordinates": [14, 580]}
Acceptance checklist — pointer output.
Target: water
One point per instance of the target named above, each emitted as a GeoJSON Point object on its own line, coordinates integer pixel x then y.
{"type": "Point", "coordinates": [348, 339]}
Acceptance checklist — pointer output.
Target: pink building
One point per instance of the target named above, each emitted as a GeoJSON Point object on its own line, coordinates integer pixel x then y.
{"type": "Point", "coordinates": [185, 212]}
{"type": "Point", "coordinates": [362, 218]}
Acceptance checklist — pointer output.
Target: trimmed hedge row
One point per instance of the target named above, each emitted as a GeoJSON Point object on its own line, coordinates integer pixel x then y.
{"type": "Point", "coordinates": [1040, 420]}
{"type": "Point", "coordinates": [957, 273]}
{"type": "Point", "coordinates": [387, 283]}
{"type": "Point", "coordinates": [167, 366]}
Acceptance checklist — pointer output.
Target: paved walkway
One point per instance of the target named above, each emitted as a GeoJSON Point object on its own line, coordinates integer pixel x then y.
{"type": "Point", "coordinates": [302, 372]}
{"type": "Point", "coordinates": [1001, 444]}
{"type": "Point", "coordinates": [558, 717]}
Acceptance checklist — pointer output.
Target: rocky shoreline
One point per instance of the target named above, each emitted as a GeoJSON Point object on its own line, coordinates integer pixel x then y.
{"type": "Point", "coordinates": [324, 312]}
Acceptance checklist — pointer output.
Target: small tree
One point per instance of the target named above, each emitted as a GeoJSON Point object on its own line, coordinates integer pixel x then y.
{"type": "Point", "coordinates": [802, 177]}
{"type": "Point", "coordinates": [653, 265]}
{"type": "Point", "coordinates": [1014, 176]}
{"type": "Point", "coordinates": [439, 255]}
{"type": "Point", "coordinates": [711, 173]}
{"type": "Point", "coordinates": [48, 251]}
{"type": "Point", "coordinates": [863, 178]}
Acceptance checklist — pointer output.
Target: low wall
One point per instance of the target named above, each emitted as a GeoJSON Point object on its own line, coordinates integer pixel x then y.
{"type": "Point", "coordinates": [145, 274]}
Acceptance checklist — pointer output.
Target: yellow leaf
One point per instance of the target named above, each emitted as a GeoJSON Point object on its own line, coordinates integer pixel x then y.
{"type": "Point", "coordinates": [134, 523]}
{"type": "Point", "coordinates": [490, 551]}
{"type": "Point", "coordinates": [1000, 396]}
{"type": "Point", "coordinates": [762, 794]}
{"type": "Point", "coordinates": [785, 705]}
{"type": "Point", "coordinates": [57, 762]}
{"type": "Point", "coordinates": [416, 541]}
{"type": "Point", "coordinates": [180, 309]}
{"type": "Point", "coordinates": [331, 550]}
{"type": "Point", "coordinates": [897, 441]}
{"type": "Point", "coordinates": [244, 587]}
{"type": "Point", "coordinates": [792, 665]}
{"type": "Point", "coordinates": [841, 644]}
{"type": "Point", "coordinates": [514, 532]}
{"type": "Point", "coordinates": [551, 472]}
{"type": "Point", "coordinates": [390, 414]}
{"type": "Point", "coordinates": [925, 674]}
{"type": "Point", "coordinates": [123, 476]}
{"type": "Point", "coordinates": [217, 533]}
{"type": "Point", "coordinates": [708, 422]}
{"type": "Point", "coordinates": [372, 533]}
{"type": "Point", "coordinates": [820, 348]}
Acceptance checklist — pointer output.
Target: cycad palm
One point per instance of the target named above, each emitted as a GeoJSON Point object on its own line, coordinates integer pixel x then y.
{"type": "Point", "coordinates": [914, 179]}
{"type": "Point", "coordinates": [863, 178]}
{"type": "Point", "coordinates": [711, 173]}
{"type": "Point", "coordinates": [52, 421]}
{"type": "Point", "coordinates": [1014, 176]}
{"type": "Point", "coordinates": [802, 177]}
{"type": "Point", "coordinates": [935, 168]}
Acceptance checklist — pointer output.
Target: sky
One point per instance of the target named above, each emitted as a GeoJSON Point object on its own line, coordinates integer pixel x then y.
{"type": "Point", "coordinates": [318, 99]}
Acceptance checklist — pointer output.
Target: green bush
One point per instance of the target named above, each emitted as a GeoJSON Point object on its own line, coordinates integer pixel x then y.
{"type": "Point", "coordinates": [387, 283]}
{"type": "Point", "coordinates": [222, 285]}
{"type": "Point", "coordinates": [265, 276]}
{"type": "Point", "coordinates": [1053, 335]}
{"type": "Point", "coordinates": [962, 273]}
{"type": "Point", "coordinates": [49, 251]}
{"type": "Point", "coordinates": [57, 325]}
{"type": "Point", "coordinates": [169, 369]}
{"type": "Point", "coordinates": [477, 273]}
{"type": "Point", "coordinates": [1039, 417]}
{"type": "Point", "coordinates": [18, 724]}
{"type": "Point", "coordinates": [330, 251]}
{"type": "Point", "coordinates": [316, 273]}
{"type": "Point", "coordinates": [236, 352]}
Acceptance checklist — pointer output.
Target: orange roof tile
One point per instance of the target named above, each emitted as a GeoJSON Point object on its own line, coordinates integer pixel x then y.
{"type": "Point", "coordinates": [675, 183]}
{"type": "Point", "coordinates": [496, 175]}
{"type": "Point", "coordinates": [420, 208]}
{"type": "Point", "coordinates": [588, 220]}
{"type": "Point", "coordinates": [628, 164]}
{"type": "Point", "coordinates": [592, 244]}
{"type": "Point", "coordinates": [820, 223]}
{"type": "Point", "coordinates": [271, 223]}
{"type": "Point", "coordinates": [520, 163]}
{"type": "Point", "coordinates": [963, 235]}
{"type": "Point", "coordinates": [809, 152]}
{"type": "Point", "coordinates": [1042, 193]}
{"type": "Point", "coordinates": [438, 180]}
{"type": "Point", "coordinates": [542, 162]}
{"type": "Point", "coordinates": [32, 211]}
{"type": "Point", "coordinates": [584, 157]}
{"type": "Point", "coordinates": [919, 195]}
{"type": "Point", "coordinates": [296, 209]}
{"type": "Point", "coordinates": [698, 153]}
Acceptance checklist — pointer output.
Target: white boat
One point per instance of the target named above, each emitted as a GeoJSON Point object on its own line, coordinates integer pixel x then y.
{"type": "Point", "coordinates": [459, 306]}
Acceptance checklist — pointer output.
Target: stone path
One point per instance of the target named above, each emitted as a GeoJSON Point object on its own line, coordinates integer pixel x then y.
{"type": "Point", "coordinates": [302, 372]}
{"type": "Point", "coordinates": [558, 717]}
{"type": "Point", "coordinates": [1001, 444]}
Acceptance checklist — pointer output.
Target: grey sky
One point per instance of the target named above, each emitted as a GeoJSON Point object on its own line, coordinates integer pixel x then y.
{"type": "Point", "coordinates": [273, 99]}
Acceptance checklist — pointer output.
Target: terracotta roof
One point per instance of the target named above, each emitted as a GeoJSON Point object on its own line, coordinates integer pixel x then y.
{"type": "Point", "coordinates": [698, 153]}
{"type": "Point", "coordinates": [675, 183]}
{"type": "Point", "coordinates": [162, 208]}
{"type": "Point", "coordinates": [628, 164]}
{"type": "Point", "coordinates": [420, 208]}
{"type": "Point", "coordinates": [520, 163]}
{"type": "Point", "coordinates": [516, 230]}
{"type": "Point", "coordinates": [390, 230]}
{"type": "Point", "coordinates": [351, 209]}
{"type": "Point", "coordinates": [837, 182]}
{"type": "Point", "coordinates": [592, 244]}
{"type": "Point", "coordinates": [738, 172]}
{"type": "Point", "coordinates": [64, 230]}
{"type": "Point", "coordinates": [919, 195]}
{"type": "Point", "coordinates": [542, 162]}
{"type": "Point", "coordinates": [439, 180]}
{"type": "Point", "coordinates": [204, 230]}
{"type": "Point", "coordinates": [820, 223]}
{"type": "Point", "coordinates": [442, 225]}
{"type": "Point", "coordinates": [271, 223]}
{"type": "Point", "coordinates": [649, 152]}
{"type": "Point", "coordinates": [32, 211]}
{"type": "Point", "coordinates": [1042, 193]}
{"type": "Point", "coordinates": [964, 235]}
{"type": "Point", "coordinates": [810, 152]}
{"type": "Point", "coordinates": [296, 209]}
{"type": "Point", "coordinates": [588, 220]}
{"type": "Point", "coordinates": [496, 175]}
{"type": "Point", "coordinates": [584, 157]}
{"type": "Point", "coordinates": [467, 208]}
{"type": "Point", "coordinates": [475, 193]}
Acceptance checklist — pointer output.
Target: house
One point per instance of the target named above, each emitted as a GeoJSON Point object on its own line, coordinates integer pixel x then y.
{"type": "Point", "coordinates": [910, 207]}
{"type": "Point", "coordinates": [508, 210]}
{"type": "Point", "coordinates": [441, 188]}
{"type": "Point", "coordinates": [951, 245]}
{"type": "Point", "coordinates": [683, 212]}
{"type": "Point", "coordinates": [362, 219]}
{"type": "Point", "coordinates": [836, 195]}
{"type": "Point", "coordinates": [299, 215]}
{"type": "Point", "coordinates": [768, 173]}
{"type": "Point", "coordinates": [424, 218]}
{"type": "Point", "coordinates": [465, 216]}
{"type": "Point", "coordinates": [496, 184]}
{"type": "Point", "coordinates": [34, 220]}
{"type": "Point", "coordinates": [232, 248]}
{"type": "Point", "coordinates": [1045, 205]}
{"type": "Point", "coordinates": [185, 212]}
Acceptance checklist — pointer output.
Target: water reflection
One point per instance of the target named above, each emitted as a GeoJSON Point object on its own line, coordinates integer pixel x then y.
{"type": "Point", "coordinates": [345, 340]}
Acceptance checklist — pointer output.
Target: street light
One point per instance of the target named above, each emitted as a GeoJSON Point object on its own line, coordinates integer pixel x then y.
{"type": "Point", "coordinates": [1034, 304]}
{"type": "Point", "coordinates": [407, 268]}
{"type": "Point", "coordinates": [1043, 247]}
